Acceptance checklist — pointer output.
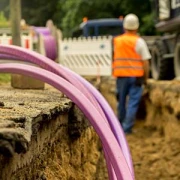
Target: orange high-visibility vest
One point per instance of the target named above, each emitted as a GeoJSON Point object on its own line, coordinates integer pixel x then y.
{"type": "Point", "coordinates": [126, 62]}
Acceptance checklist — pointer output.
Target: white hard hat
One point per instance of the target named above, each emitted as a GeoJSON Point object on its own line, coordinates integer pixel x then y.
{"type": "Point", "coordinates": [131, 22]}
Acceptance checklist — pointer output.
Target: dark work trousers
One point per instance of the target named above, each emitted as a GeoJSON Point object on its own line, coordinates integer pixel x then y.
{"type": "Point", "coordinates": [129, 94]}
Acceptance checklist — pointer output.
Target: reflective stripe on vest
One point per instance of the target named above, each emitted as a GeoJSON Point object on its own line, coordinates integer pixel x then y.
{"type": "Point", "coordinates": [127, 63]}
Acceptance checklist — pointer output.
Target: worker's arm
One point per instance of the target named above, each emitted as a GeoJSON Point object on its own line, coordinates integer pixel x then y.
{"type": "Point", "coordinates": [146, 70]}
{"type": "Point", "coordinates": [143, 50]}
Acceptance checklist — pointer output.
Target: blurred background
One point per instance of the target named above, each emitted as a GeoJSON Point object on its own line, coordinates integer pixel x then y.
{"type": "Point", "coordinates": [68, 14]}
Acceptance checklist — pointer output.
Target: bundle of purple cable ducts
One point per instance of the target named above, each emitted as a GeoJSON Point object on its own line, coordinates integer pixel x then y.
{"type": "Point", "coordinates": [49, 41]}
{"type": "Point", "coordinates": [85, 96]}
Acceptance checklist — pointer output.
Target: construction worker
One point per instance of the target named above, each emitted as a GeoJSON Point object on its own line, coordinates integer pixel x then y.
{"type": "Point", "coordinates": [131, 69]}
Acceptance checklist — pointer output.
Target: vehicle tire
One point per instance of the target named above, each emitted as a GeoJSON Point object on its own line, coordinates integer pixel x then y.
{"type": "Point", "coordinates": [177, 61]}
{"type": "Point", "coordinates": [161, 68]}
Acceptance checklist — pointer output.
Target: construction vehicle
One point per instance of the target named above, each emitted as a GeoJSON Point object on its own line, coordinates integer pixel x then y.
{"type": "Point", "coordinates": [165, 62]}
{"type": "Point", "coordinates": [99, 27]}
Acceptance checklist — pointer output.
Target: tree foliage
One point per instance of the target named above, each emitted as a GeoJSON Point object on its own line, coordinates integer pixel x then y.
{"type": "Point", "coordinates": [76, 10]}
{"type": "Point", "coordinates": [4, 7]}
{"type": "Point", "coordinates": [38, 12]}
{"type": "Point", "coordinates": [68, 14]}
{"type": "Point", "coordinates": [3, 21]}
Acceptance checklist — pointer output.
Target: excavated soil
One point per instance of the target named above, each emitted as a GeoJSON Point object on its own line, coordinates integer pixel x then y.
{"type": "Point", "coordinates": [154, 158]}
{"type": "Point", "coordinates": [154, 143]}
{"type": "Point", "coordinates": [43, 135]}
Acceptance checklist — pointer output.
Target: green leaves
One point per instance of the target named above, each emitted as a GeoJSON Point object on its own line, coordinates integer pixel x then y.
{"type": "Point", "coordinates": [3, 21]}
{"type": "Point", "coordinates": [68, 14]}
{"type": "Point", "coordinates": [74, 11]}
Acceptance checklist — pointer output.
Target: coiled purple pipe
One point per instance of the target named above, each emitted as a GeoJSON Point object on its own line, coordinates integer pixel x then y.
{"type": "Point", "coordinates": [42, 30]}
{"type": "Point", "coordinates": [44, 62]}
{"type": "Point", "coordinates": [49, 41]}
{"type": "Point", "coordinates": [91, 98]}
{"type": "Point", "coordinates": [108, 140]}
{"type": "Point", "coordinates": [50, 46]}
{"type": "Point", "coordinates": [33, 57]}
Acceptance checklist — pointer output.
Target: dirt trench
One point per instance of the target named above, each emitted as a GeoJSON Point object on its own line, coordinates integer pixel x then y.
{"type": "Point", "coordinates": [155, 141]}
{"type": "Point", "coordinates": [77, 154]}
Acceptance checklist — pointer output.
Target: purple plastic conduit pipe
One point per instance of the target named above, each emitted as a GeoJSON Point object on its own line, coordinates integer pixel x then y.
{"type": "Point", "coordinates": [69, 78]}
{"type": "Point", "coordinates": [50, 46]}
{"type": "Point", "coordinates": [108, 140]}
{"type": "Point", "coordinates": [42, 30]}
{"type": "Point", "coordinates": [8, 57]}
{"type": "Point", "coordinates": [49, 41]}
{"type": "Point", "coordinates": [107, 110]}
{"type": "Point", "coordinates": [112, 119]}
{"type": "Point", "coordinates": [23, 55]}
{"type": "Point", "coordinates": [91, 98]}
{"type": "Point", "coordinates": [109, 167]}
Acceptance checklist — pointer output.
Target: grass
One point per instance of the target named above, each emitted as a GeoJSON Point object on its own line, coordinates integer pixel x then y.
{"type": "Point", "coordinates": [5, 78]}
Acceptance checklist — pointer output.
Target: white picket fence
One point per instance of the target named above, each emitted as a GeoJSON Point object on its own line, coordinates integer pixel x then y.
{"type": "Point", "coordinates": [26, 40]}
{"type": "Point", "coordinates": [87, 56]}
